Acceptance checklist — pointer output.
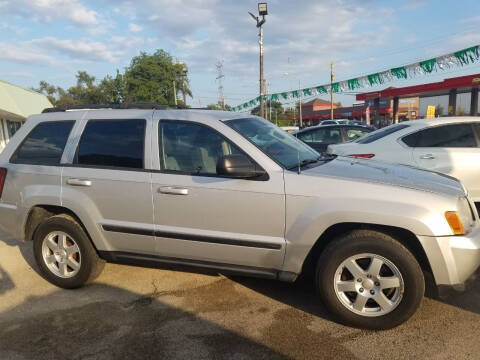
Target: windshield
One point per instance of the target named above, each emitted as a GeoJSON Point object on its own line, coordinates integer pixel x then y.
{"type": "Point", "coordinates": [282, 147]}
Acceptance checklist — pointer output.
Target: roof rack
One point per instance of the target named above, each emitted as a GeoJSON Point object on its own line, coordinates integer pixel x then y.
{"type": "Point", "coordinates": [144, 106]}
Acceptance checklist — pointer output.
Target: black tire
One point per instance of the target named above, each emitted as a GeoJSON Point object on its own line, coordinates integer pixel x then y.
{"type": "Point", "coordinates": [91, 265]}
{"type": "Point", "coordinates": [378, 243]}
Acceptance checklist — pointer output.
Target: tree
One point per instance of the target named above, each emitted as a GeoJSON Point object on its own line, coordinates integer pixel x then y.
{"type": "Point", "coordinates": [277, 109]}
{"type": "Point", "coordinates": [148, 78]}
{"type": "Point", "coordinates": [218, 106]}
{"type": "Point", "coordinates": [460, 111]}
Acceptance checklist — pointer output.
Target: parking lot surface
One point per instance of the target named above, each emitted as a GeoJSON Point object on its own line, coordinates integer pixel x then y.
{"type": "Point", "coordinates": [133, 312]}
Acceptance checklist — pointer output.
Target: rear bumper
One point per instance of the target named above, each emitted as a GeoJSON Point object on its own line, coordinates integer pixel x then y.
{"type": "Point", "coordinates": [453, 259]}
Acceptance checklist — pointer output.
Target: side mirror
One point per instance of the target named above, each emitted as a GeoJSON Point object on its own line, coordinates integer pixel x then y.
{"type": "Point", "coordinates": [238, 166]}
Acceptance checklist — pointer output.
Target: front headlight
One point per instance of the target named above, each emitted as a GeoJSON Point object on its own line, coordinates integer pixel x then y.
{"type": "Point", "coordinates": [462, 220]}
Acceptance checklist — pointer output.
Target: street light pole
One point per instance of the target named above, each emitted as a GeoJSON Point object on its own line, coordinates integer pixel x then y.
{"type": "Point", "coordinates": [261, 70]}
{"type": "Point", "coordinates": [175, 92]}
{"type": "Point", "coordinates": [300, 107]}
{"type": "Point", "coordinates": [332, 77]}
{"type": "Point", "coordinates": [262, 11]}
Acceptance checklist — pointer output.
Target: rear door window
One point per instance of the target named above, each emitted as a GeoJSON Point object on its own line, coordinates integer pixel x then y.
{"type": "Point", "coordinates": [112, 143]}
{"type": "Point", "coordinates": [44, 145]}
{"type": "Point", "coordinates": [455, 136]}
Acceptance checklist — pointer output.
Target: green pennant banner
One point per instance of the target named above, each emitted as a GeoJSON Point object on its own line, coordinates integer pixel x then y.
{"type": "Point", "coordinates": [459, 58]}
{"type": "Point", "coordinates": [336, 87]}
{"type": "Point", "coordinates": [428, 65]}
{"type": "Point", "coordinates": [399, 73]}
{"type": "Point", "coordinates": [353, 84]}
{"type": "Point", "coordinates": [467, 55]}
{"type": "Point", "coordinates": [375, 79]}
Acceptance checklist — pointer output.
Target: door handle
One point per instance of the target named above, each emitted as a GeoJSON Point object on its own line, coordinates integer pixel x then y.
{"type": "Point", "coordinates": [79, 182]}
{"type": "Point", "coordinates": [427, 157]}
{"type": "Point", "coordinates": [173, 190]}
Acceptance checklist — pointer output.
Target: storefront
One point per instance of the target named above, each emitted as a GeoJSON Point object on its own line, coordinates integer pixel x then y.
{"type": "Point", "coordinates": [16, 104]}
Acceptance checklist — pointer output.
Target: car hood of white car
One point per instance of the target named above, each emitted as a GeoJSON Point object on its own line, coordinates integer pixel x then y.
{"type": "Point", "coordinates": [373, 171]}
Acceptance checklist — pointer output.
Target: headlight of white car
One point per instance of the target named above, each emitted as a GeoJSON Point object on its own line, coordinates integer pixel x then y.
{"type": "Point", "coordinates": [462, 220]}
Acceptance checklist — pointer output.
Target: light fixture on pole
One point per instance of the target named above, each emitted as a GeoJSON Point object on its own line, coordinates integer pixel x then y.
{"type": "Point", "coordinates": [262, 11]}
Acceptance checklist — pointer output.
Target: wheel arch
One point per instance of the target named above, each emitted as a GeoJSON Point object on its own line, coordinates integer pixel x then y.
{"type": "Point", "coordinates": [38, 213]}
{"type": "Point", "coordinates": [404, 236]}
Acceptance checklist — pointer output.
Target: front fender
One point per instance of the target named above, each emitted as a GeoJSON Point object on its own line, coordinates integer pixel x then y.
{"type": "Point", "coordinates": [309, 217]}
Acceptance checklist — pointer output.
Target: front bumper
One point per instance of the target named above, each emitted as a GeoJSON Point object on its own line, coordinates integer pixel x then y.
{"type": "Point", "coordinates": [453, 259]}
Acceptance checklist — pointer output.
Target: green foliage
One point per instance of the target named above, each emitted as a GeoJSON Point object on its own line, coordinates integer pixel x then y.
{"type": "Point", "coordinates": [148, 78]}
{"type": "Point", "coordinates": [218, 106]}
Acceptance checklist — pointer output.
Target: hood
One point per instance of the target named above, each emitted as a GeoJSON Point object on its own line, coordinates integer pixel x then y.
{"type": "Point", "coordinates": [373, 171]}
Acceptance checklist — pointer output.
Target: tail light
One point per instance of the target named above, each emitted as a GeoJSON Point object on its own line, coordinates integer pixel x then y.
{"type": "Point", "coordinates": [3, 175]}
{"type": "Point", "coordinates": [365, 156]}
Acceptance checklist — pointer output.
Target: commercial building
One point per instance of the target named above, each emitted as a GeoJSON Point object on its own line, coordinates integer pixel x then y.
{"type": "Point", "coordinates": [16, 104]}
{"type": "Point", "coordinates": [453, 96]}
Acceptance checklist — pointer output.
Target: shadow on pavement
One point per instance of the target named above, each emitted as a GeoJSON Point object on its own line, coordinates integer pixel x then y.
{"type": "Point", "coordinates": [129, 326]}
{"type": "Point", "coordinates": [6, 284]}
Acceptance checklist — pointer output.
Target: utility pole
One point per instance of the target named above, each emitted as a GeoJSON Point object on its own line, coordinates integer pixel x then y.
{"type": "Point", "coordinates": [300, 107]}
{"type": "Point", "coordinates": [220, 76]}
{"type": "Point", "coordinates": [332, 77]}
{"type": "Point", "coordinates": [175, 92]}
{"type": "Point", "coordinates": [262, 11]}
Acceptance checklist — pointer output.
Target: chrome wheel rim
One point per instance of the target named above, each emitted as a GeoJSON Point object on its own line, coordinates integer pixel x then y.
{"type": "Point", "coordinates": [369, 285]}
{"type": "Point", "coordinates": [61, 254]}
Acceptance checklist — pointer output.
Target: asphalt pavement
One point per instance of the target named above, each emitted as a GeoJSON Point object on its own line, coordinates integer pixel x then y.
{"type": "Point", "coordinates": [141, 313]}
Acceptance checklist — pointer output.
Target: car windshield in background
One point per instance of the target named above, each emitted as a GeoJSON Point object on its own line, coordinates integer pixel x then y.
{"type": "Point", "coordinates": [378, 134]}
{"type": "Point", "coordinates": [282, 147]}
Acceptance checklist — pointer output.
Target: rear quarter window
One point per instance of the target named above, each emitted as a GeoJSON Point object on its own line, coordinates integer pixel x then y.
{"type": "Point", "coordinates": [379, 134]}
{"type": "Point", "coordinates": [44, 145]}
{"type": "Point", "coordinates": [454, 136]}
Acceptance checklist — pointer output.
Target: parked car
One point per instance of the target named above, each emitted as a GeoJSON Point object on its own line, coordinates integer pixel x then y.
{"type": "Point", "coordinates": [289, 129]}
{"type": "Point", "coordinates": [328, 122]}
{"type": "Point", "coordinates": [319, 137]}
{"type": "Point", "coordinates": [447, 145]}
{"type": "Point", "coordinates": [233, 193]}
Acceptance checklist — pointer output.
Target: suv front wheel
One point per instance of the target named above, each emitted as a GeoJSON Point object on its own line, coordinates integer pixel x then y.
{"type": "Point", "coordinates": [369, 280]}
{"type": "Point", "coordinates": [64, 253]}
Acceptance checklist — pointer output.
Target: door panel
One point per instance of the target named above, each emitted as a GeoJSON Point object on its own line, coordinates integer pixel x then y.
{"type": "Point", "coordinates": [461, 163]}
{"type": "Point", "coordinates": [120, 203]}
{"type": "Point", "coordinates": [453, 150]}
{"type": "Point", "coordinates": [108, 185]}
{"type": "Point", "coordinates": [208, 218]}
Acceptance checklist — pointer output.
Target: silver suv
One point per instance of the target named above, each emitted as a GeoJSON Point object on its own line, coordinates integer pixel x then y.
{"type": "Point", "coordinates": [235, 194]}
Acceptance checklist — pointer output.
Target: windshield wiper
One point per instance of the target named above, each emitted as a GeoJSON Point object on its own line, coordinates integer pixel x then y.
{"type": "Point", "coordinates": [303, 163]}
{"type": "Point", "coordinates": [324, 157]}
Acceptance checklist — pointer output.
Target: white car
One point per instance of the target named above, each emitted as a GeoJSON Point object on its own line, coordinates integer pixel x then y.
{"type": "Point", "coordinates": [446, 145]}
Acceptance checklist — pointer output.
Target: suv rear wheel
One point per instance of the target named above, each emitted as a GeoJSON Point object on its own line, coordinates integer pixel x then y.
{"type": "Point", "coordinates": [369, 280]}
{"type": "Point", "coordinates": [64, 253]}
